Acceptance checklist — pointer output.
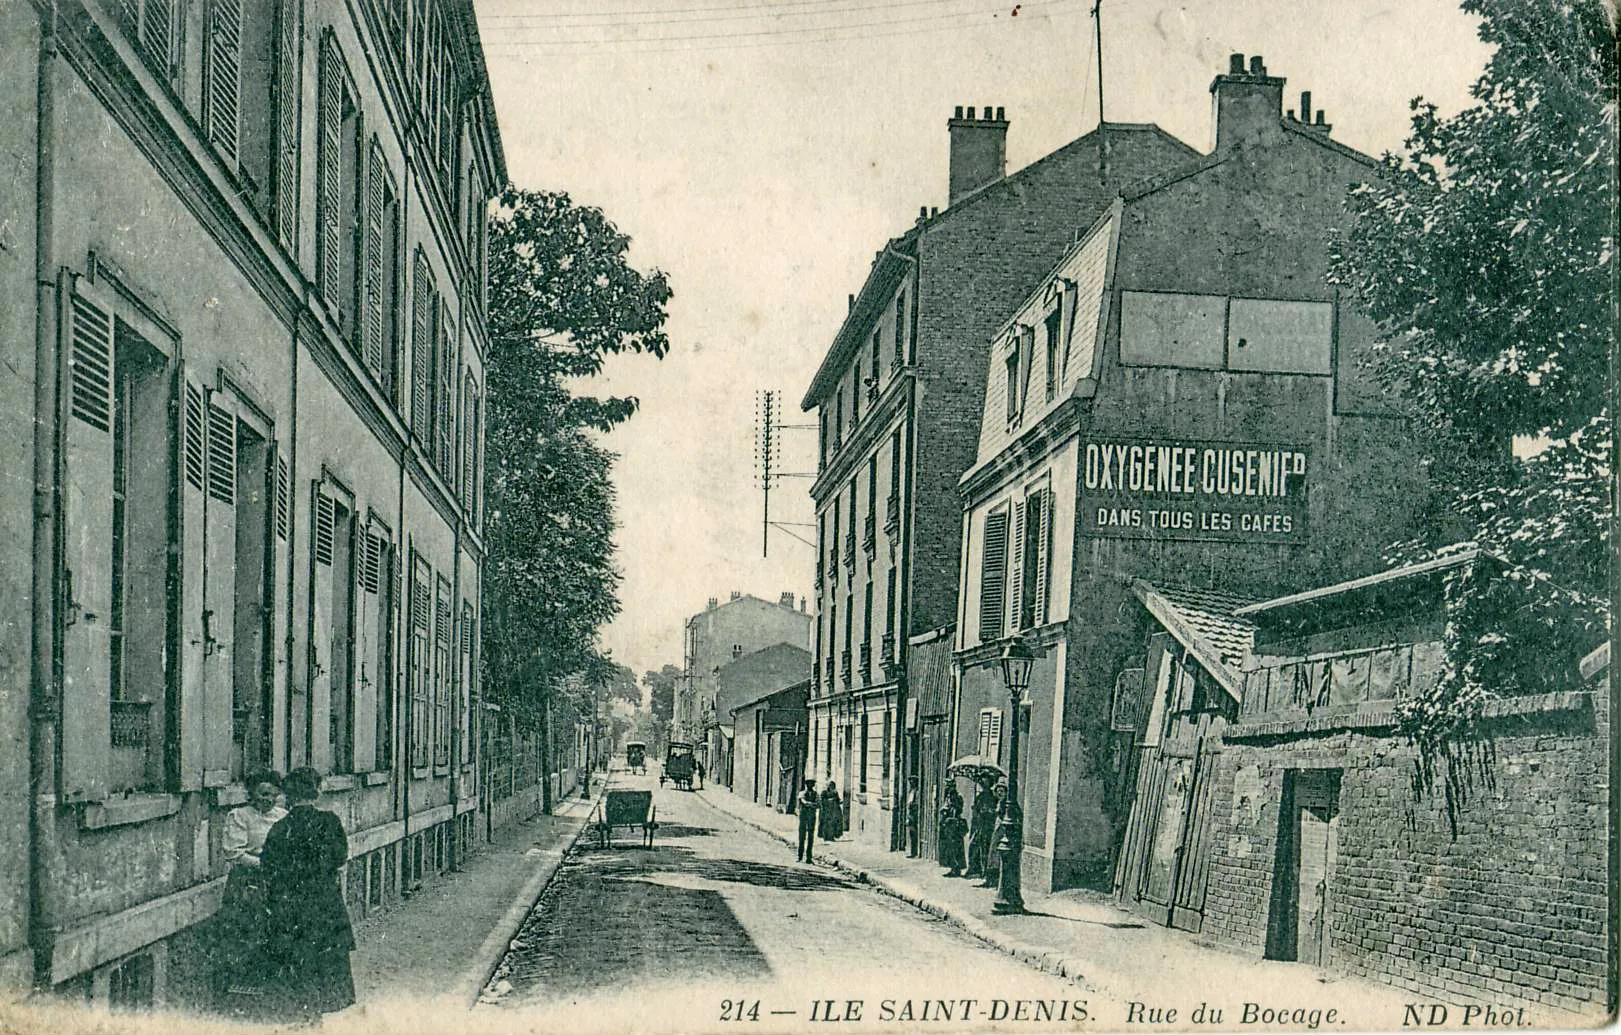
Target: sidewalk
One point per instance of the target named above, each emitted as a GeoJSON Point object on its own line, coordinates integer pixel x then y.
{"type": "Point", "coordinates": [1086, 938]}
{"type": "Point", "coordinates": [431, 956]}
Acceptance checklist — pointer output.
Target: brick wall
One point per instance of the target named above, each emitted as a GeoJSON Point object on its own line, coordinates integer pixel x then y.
{"type": "Point", "coordinates": [1505, 898]}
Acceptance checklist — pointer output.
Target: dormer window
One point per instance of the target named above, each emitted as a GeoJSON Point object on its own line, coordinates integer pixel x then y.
{"type": "Point", "coordinates": [1013, 398]}
{"type": "Point", "coordinates": [1054, 324]}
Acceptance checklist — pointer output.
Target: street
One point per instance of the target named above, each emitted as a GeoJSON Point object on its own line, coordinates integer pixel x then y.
{"type": "Point", "coordinates": [717, 923]}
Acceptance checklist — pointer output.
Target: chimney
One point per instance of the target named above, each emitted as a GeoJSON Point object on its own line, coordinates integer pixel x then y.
{"type": "Point", "coordinates": [737, 594]}
{"type": "Point", "coordinates": [978, 150]}
{"type": "Point", "coordinates": [1321, 126]}
{"type": "Point", "coordinates": [713, 603]}
{"type": "Point", "coordinates": [786, 600]}
{"type": "Point", "coordinates": [1247, 102]}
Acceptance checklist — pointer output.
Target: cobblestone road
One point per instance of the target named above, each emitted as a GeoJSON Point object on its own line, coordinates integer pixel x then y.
{"type": "Point", "coordinates": [718, 915]}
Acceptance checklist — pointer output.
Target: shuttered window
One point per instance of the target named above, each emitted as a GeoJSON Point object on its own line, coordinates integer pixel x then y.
{"type": "Point", "coordinates": [990, 733]}
{"type": "Point", "coordinates": [151, 25]}
{"type": "Point", "coordinates": [1035, 558]}
{"type": "Point", "coordinates": [993, 577]}
{"type": "Point", "coordinates": [421, 611]}
{"type": "Point", "coordinates": [372, 326]}
{"type": "Point", "coordinates": [469, 445]}
{"type": "Point", "coordinates": [338, 192]}
{"type": "Point", "coordinates": [443, 678]}
{"type": "Point", "coordinates": [222, 77]}
{"type": "Point", "coordinates": [423, 318]}
{"type": "Point", "coordinates": [1016, 568]}
{"type": "Point", "coordinates": [289, 58]}
{"type": "Point", "coordinates": [444, 410]}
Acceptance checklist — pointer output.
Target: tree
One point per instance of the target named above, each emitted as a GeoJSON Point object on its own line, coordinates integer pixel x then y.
{"type": "Point", "coordinates": [562, 297]}
{"type": "Point", "coordinates": [663, 683]}
{"type": "Point", "coordinates": [1486, 254]}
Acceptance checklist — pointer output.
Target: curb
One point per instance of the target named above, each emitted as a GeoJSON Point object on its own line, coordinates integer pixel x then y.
{"type": "Point", "coordinates": [487, 958]}
{"type": "Point", "coordinates": [1042, 959]}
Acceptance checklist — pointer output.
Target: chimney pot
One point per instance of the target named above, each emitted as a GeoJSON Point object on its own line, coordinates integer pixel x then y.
{"type": "Point", "coordinates": [923, 211]}
{"type": "Point", "coordinates": [978, 154]}
{"type": "Point", "coordinates": [958, 113]}
{"type": "Point", "coordinates": [1257, 66]}
{"type": "Point", "coordinates": [1235, 65]}
{"type": "Point", "coordinates": [934, 210]}
{"type": "Point", "coordinates": [1290, 114]}
{"type": "Point", "coordinates": [737, 594]}
{"type": "Point", "coordinates": [786, 600]}
{"type": "Point", "coordinates": [713, 602]}
{"type": "Point", "coordinates": [1305, 105]}
{"type": "Point", "coordinates": [970, 113]}
{"type": "Point", "coordinates": [1001, 115]}
{"type": "Point", "coordinates": [851, 302]}
{"type": "Point", "coordinates": [1320, 117]}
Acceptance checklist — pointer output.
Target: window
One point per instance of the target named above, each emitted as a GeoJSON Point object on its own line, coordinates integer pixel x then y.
{"type": "Point", "coordinates": [884, 753]}
{"type": "Point", "coordinates": [420, 671]}
{"type": "Point", "coordinates": [993, 576]}
{"type": "Point", "coordinates": [900, 329]}
{"type": "Point", "coordinates": [442, 673]}
{"type": "Point", "coordinates": [1054, 321]}
{"type": "Point", "coordinates": [863, 769]}
{"type": "Point", "coordinates": [855, 395]}
{"type": "Point", "coordinates": [472, 485]}
{"type": "Point", "coordinates": [889, 608]}
{"type": "Point", "coordinates": [990, 733]}
{"type": "Point", "coordinates": [444, 394]}
{"type": "Point", "coordinates": [838, 419]}
{"type": "Point", "coordinates": [338, 192]}
{"type": "Point", "coordinates": [877, 341]}
{"type": "Point", "coordinates": [253, 595]}
{"type": "Point", "coordinates": [332, 653]}
{"type": "Point", "coordinates": [866, 631]}
{"type": "Point", "coordinates": [1036, 545]}
{"type": "Point", "coordinates": [821, 437]}
{"type": "Point", "coordinates": [115, 556]}
{"type": "Point", "coordinates": [436, 88]}
{"type": "Point", "coordinates": [424, 320]}
{"type": "Point", "coordinates": [381, 337]}
{"type": "Point", "coordinates": [153, 26]}
{"type": "Point", "coordinates": [1011, 365]}
{"type": "Point", "coordinates": [469, 672]}
{"type": "Point", "coordinates": [374, 724]}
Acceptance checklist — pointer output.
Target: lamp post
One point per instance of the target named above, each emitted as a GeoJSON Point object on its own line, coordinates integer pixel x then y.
{"type": "Point", "coordinates": [1017, 660]}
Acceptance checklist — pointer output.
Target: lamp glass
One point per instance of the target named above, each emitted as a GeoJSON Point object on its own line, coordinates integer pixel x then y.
{"type": "Point", "coordinates": [1016, 662]}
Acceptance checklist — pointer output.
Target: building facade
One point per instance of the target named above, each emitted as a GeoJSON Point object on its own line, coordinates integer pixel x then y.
{"type": "Point", "coordinates": [244, 358]}
{"type": "Point", "coordinates": [897, 399]}
{"type": "Point", "coordinates": [717, 636]}
{"type": "Point", "coordinates": [768, 743]}
{"type": "Point", "coordinates": [1179, 400]}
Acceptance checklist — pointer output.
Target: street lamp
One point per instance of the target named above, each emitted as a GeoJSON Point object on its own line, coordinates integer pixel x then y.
{"type": "Point", "coordinates": [1017, 660]}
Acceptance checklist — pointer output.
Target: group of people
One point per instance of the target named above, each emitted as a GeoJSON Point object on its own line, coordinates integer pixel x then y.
{"type": "Point", "coordinates": [980, 829]}
{"type": "Point", "coordinates": [818, 814]}
{"type": "Point", "coordinates": [283, 935]}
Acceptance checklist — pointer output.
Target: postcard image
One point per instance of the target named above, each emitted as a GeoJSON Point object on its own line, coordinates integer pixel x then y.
{"type": "Point", "coordinates": [849, 516]}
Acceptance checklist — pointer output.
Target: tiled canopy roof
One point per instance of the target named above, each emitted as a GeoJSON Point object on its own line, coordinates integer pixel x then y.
{"type": "Point", "coordinates": [1204, 622]}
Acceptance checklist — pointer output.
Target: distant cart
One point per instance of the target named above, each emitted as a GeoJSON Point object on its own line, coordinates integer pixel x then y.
{"type": "Point", "coordinates": [636, 756]}
{"type": "Point", "coordinates": [678, 765]}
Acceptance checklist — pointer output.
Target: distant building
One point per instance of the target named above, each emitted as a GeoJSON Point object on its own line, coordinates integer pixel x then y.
{"type": "Point", "coordinates": [244, 334]}
{"type": "Point", "coordinates": [768, 746]}
{"type": "Point", "coordinates": [747, 679]}
{"type": "Point", "coordinates": [897, 399]}
{"type": "Point", "coordinates": [717, 636]}
{"type": "Point", "coordinates": [1177, 400]}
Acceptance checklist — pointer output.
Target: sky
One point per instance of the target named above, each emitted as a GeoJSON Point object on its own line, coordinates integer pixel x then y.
{"type": "Point", "coordinates": [761, 151]}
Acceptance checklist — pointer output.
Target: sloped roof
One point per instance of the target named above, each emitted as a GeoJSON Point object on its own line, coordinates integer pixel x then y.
{"type": "Point", "coordinates": [803, 686]}
{"type": "Point", "coordinates": [773, 668]}
{"type": "Point", "coordinates": [1206, 623]}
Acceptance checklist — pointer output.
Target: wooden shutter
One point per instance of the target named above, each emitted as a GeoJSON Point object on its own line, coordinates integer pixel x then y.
{"type": "Point", "coordinates": [993, 577]}
{"type": "Point", "coordinates": [445, 397]}
{"type": "Point", "coordinates": [469, 443]}
{"type": "Point", "coordinates": [219, 589]}
{"type": "Point", "coordinates": [373, 251]}
{"type": "Point", "coordinates": [223, 90]}
{"type": "Point", "coordinates": [288, 63]}
{"type": "Point", "coordinates": [995, 735]}
{"type": "Point", "coordinates": [464, 718]}
{"type": "Point", "coordinates": [191, 726]}
{"type": "Point", "coordinates": [87, 550]}
{"type": "Point", "coordinates": [1042, 517]}
{"type": "Point", "coordinates": [157, 36]}
{"type": "Point", "coordinates": [422, 329]}
{"type": "Point", "coordinates": [323, 534]}
{"type": "Point", "coordinates": [279, 597]}
{"type": "Point", "coordinates": [329, 175]}
{"type": "Point", "coordinates": [368, 627]}
{"type": "Point", "coordinates": [1016, 570]}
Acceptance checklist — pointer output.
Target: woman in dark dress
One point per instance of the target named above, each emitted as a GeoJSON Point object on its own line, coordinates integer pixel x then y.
{"type": "Point", "coordinates": [952, 828]}
{"type": "Point", "coordinates": [830, 818]}
{"type": "Point", "coordinates": [310, 936]}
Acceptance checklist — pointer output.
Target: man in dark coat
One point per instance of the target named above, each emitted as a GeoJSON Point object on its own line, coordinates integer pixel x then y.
{"type": "Point", "coordinates": [310, 936]}
{"type": "Point", "coordinates": [807, 822]}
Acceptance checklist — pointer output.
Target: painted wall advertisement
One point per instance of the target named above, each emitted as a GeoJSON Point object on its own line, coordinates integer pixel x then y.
{"type": "Point", "coordinates": [1191, 490]}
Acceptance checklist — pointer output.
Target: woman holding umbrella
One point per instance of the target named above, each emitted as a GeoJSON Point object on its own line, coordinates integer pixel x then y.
{"type": "Point", "coordinates": [985, 773]}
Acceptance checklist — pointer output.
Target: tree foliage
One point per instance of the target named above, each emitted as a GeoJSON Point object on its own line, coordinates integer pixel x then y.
{"type": "Point", "coordinates": [563, 295]}
{"type": "Point", "coordinates": [663, 683]}
{"type": "Point", "coordinates": [1486, 254]}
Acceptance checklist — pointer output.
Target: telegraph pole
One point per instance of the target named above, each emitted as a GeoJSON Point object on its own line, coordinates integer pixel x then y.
{"type": "Point", "coordinates": [768, 428]}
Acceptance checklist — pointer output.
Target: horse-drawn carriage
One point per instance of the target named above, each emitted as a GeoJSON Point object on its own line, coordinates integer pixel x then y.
{"type": "Point", "coordinates": [678, 765]}
{"type": "Point", "coordinates": [636, 756]}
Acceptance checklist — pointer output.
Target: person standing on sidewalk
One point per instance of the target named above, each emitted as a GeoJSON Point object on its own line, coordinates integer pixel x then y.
{"type": "Point", "coordinates": [807, 822]}
{"type": "Point", "coordinates": [310, 935]}
{"type": "Point", "coordinates": [981, 825]}
{"type": "Point", "coordinates": [832, 819]}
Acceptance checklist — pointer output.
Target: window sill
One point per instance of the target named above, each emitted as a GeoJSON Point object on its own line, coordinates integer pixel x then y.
{"type": "Point", "coordinates": [379, 777]}
{"type": "Point", "coordinates": [338, 782]}
{"type": "Point", "coordinates": [420, 772]}
{"type": "Point", "coordinates": [230, 797]}
{"type": "Point", "coordinates": [441, 770]}
{"type": "Point", "coordinates": [137, 808]}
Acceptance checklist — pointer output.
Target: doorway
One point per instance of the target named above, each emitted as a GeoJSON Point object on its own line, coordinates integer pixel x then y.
{"type": "Point", "coordinates": [1301, 926]}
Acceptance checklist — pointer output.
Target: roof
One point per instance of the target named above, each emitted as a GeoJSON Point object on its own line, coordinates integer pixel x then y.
{"type": "Point", "coordinates": [894, 258]}
{"type": "Point", "coordinates": [773, 668]}
{"type": "Point", "coordinates": [1467, 555]}
{"type": "Point", "coordinates": [1207, 622]}
{"type": "Point", "coordinates": [802, 685]}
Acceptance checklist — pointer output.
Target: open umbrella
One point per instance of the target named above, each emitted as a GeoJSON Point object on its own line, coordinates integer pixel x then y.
{"type": "Point", "coordinates": [981, 769]}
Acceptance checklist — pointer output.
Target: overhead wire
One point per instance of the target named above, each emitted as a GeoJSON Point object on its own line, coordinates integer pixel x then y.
{"type": "Point", "coordinates": [789, 35]}
{"type": "Point", "coordinates": [742, 13]}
